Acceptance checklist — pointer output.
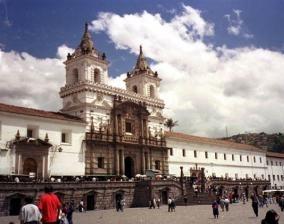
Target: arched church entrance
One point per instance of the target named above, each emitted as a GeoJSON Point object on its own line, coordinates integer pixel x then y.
{"type": "Point", "coordinates": [129, 167]}
{"type": "Point", "coordinates": [30, 166]}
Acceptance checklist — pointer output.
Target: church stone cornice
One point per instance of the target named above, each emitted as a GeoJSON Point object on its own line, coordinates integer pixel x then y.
{"type": "Point", "coordinates": [88, 56]}
{"type": "Point", "coordinates": [109, 90]}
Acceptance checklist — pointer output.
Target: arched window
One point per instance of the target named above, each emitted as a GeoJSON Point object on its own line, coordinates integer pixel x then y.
{"type": "Point", "coordinates": [97, 76]}
{"type": "Point", "coordinates": [135, 90]}
{"type": "Point", "coordinates": [152, 91]}
{"type": "Point", "coordinates": [75, 75]}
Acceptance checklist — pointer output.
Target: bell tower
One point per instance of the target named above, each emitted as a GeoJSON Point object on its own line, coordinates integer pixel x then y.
{"type": "Point", "coordinates": [86, 63]}
{"type": "Point", "coordinates": [142, 80]}
{"type": "Point", "coordinates": [86, 68]}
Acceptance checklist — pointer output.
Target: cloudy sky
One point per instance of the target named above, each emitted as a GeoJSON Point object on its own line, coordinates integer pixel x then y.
{"type": "Point", "coordinates": [222, 62]}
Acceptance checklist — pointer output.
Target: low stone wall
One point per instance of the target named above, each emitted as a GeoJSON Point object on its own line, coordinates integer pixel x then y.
{"type": "Point", "coordinates": [251, 185]}
{"type": "Point", "coordinates": [96, 195]}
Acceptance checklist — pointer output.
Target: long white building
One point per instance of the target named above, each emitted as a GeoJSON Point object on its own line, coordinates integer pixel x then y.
{"type": "Point", "coordinates": [221, 158]}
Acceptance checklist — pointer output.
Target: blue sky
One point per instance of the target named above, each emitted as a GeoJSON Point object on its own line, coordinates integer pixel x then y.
{"type": "Point", "coordinates": [39, 27]}
{"type": "Point", "coordinates": [221, 62]}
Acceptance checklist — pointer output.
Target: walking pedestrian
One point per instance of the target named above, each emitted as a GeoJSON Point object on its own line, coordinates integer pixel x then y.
{"type": "Point", "coordinates": [281, 203]}
{"type": "Point", "coordinates": [169, 204]}
{"type": "Point", "coordinates": [158, 202]}
{"type": "Point", "coordinates": [227, 202]}
{"type": "Point", "coordinates": [173, 205]}
{"type": "Point", "coordinates": [49, 206]}
{"type": "Point", "coordinates": [254, 204]}
{"type": "Point", "coordinates": [244, 197]}
{"type": "Point", "coordinates": [222, 203]}
{"type": "Point", "coordinates": [154, 203]}
{"type": "Point", "coordinates": [69, 212]}
{"type": "Point", "coordinates": [81, 206]}
{"type": "Point", "coordinates": [122, 204]}
{"type": "Point", "coordinates": [30, 213]}
{"type": "Point", "coordinates": [118, 205]}
{"type": "Point", "coordinates": [215, 208]}
{"type": "Point", "coordinates": [271, 217]}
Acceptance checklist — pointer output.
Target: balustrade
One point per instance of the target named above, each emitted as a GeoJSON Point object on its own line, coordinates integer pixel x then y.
{"type": "Point", "coordinates": [105, 137]}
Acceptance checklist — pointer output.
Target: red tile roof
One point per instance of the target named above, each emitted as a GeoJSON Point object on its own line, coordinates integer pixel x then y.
{"type": "Point", "coordinates": [211, 141]}
{"type": "Point", "coordinates": [275, 154]}
{"type": "Point", "coordinates": [38, 113]}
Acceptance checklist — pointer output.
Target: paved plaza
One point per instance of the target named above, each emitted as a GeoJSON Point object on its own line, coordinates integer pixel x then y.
{"type": "Point", "coordinates": [184, 215]}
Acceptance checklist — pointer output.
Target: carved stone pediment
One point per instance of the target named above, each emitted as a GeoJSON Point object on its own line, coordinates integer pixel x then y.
{"type": "Point", "coordinates": [132, 109]}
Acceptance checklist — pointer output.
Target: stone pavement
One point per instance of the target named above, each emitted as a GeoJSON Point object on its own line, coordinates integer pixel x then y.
{"type": "Point", "coordinates": [199, 214]}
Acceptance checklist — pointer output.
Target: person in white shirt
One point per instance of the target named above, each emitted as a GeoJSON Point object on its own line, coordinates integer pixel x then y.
{"type": "Point", "coordinates": [169, 204]}
{"type": "Point", "coordinates": [30, 213]}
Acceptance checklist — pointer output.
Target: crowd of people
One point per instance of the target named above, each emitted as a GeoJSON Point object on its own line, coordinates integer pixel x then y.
{"type": "Point", "coordinates": [257, 201]}
{"type": "Point", "coordinates": [49, 210]}
{"type": "Point", "coordinates": [79, 179]}
{"type": "Point", "coordinates": [154, 203]}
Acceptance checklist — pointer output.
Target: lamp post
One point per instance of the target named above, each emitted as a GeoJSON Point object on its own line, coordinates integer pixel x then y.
{"type": "Point", "coordinates": [181, 180]}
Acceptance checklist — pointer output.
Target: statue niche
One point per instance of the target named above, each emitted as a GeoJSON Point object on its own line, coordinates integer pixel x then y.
{"type": "Point", "coordinates": [131, 119]}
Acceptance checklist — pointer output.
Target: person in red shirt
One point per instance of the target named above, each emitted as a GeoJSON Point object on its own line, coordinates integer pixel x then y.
{"type": "Point", "coordinates": [49, 206]}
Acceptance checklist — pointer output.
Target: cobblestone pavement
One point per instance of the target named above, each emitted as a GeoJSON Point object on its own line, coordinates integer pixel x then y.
{"type": "Point", "coordinates": [200, 214]}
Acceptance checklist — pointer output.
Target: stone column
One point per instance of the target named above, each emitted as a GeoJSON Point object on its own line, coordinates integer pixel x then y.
{"type": "Point", "coordinates": [146, 160]}
{"type": "Point", "coordinates": [116, 125]}
{"type": "Point", "coordinates": [163, 161]}
{"type": "Point", "coordinates": [108, 160]}
{"type": "Point", "coordinates": [116, 158]}
{"type": "Point", "coordinates": [142, 161]}
{"type": "Point", "coordinates": [122, 166]}
{"type": "Point", "coordinates": [181, 180]}
{"type": "Point", "coordinates": [16, 163]}
{"type": "Point", "coordinates": [19, 163]}
{"type": "Point", "coordinates": [43, 167]}
{"type": "Point", "coordinates": [122, 163]}
{"type": "Point", "coordinates": [150, 159]}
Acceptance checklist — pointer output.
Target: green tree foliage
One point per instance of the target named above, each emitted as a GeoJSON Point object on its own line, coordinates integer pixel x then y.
{"type": "Point", "coordinates": [278, 145]}
{"type": "Point", "coordinates": [170, 123]}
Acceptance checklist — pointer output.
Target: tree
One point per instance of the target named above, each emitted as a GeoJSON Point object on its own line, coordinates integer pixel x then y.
{"type": "Point", "coordinates": [170, 123]}
{"type": "Point", "coordinates": [278, 145]}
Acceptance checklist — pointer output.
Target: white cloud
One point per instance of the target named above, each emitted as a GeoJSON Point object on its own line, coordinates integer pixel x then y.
{"type": "Point", "coordinates": [29, 81]}
{"type": "Point", "coordinates": [204, 88]}
{"type": "Point", "coordinates": [236, 24]}
{"type": "Point", "coordinates": [118, 81]}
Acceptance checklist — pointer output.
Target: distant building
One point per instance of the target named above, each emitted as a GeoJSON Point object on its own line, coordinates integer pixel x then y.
{"type": "Point", "coordinates": [223, 159]}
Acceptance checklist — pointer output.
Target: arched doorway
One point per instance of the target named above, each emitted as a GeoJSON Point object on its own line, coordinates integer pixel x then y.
{"type": "Point", "coordinates": [16, 201]}
{"type": "Point", "coordinates": [129, 167]}
{"type": "Point", "coordinates": [91, 199]}
{"type": "Point", "coordinates": [164, 195]}
{"type": "Point", "coordinates": [30, 166]}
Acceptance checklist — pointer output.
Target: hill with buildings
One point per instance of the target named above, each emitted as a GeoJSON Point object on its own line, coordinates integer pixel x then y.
{"type": "Point", "coordinates": [271, 142]}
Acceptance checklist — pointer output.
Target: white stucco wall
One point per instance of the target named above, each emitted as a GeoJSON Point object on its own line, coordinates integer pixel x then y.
{"type": "Point", "coordinates": [68, 162]}
{"type": "Point", "coordinates": [219, 167]}
{"type": "Point", "coordinates": [276, 169]}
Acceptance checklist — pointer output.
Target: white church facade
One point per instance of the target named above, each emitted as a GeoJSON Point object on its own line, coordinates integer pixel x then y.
{"type": "Point", "coordinates": [104, 130]}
